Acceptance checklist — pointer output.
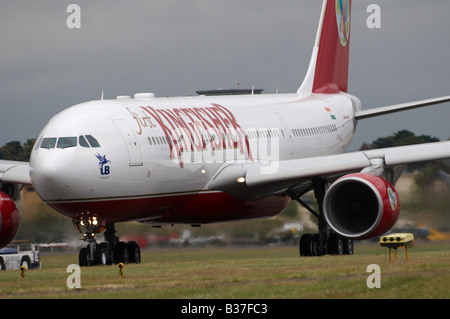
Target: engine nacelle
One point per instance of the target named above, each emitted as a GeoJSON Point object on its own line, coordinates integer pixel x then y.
{"type": "Point", "coordinates": [361, 206]}
{"type": "Point", "coordinates": [9, 220]}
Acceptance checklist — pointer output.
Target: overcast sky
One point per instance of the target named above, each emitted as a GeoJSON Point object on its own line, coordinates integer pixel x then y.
{"type": "Point", "coordinates": [175, 47]}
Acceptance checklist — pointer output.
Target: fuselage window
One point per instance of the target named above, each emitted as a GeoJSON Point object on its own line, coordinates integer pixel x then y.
{"type": "Point", "coordinates": [48, 142]}
{"type": "Point", "coordinates": [92, 140]}
{"type": "Point", "coordinates": [66, 142]}
{"type": "Point", "coordinates": [83, 142]}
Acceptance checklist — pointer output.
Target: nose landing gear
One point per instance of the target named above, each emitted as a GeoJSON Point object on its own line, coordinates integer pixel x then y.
{"type": "Point", "coordinates": [108, 252]}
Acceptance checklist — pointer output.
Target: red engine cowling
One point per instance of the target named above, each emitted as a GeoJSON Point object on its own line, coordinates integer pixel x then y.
{"type": "Point", "coordinates": [361, 206]}
{"type": "Point", "coordinates": [9, 220]}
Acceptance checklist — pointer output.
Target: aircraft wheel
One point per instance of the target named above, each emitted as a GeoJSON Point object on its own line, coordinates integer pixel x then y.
{"type": "Point", "coordinates": [317, 248]}
{"type": "Point", "coordinates": [134, 253]}
{"type": "Point", "coordinates": [101, 255]}
{"type": "Point", "coordinates": [105, 246]}
{"type": "Point", "coordinates": [82, 257]}
{"type": "Point", "coordinates": [305, 245]}
{"type": "Point", "coordinates": [310, 245]}
{"type": "Point", "coordinates": [335, 245]}
{"type": "Point", "coordinates": [348, 246]}
{"type": "Point", "coordinates": [120, 254]}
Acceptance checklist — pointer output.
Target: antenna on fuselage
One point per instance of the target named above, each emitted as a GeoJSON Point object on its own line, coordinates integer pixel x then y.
{"type": "Point", "coordinates": [101, 98]}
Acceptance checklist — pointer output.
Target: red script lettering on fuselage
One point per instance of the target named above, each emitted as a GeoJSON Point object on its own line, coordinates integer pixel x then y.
{"type": "Point", "coordinates": [196, 129]}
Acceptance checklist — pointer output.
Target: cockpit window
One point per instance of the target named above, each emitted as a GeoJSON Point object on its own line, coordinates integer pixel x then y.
{"type": "Point", "coordinates": [83, 142]}
{"type": "Point", "coordinates": [86, 141]}
{"type": "Point", "coordinates": [65, 142]}
{"type": "Point", "coordinates": [48, 142]}
{"type": "Point", "coordinates": [92, 141]}
{"type": "Point", "coordinates": [38, 143]}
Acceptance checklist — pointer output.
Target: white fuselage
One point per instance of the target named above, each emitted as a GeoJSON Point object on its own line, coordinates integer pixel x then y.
{"type": "Point", "coordinates": [154, 155]}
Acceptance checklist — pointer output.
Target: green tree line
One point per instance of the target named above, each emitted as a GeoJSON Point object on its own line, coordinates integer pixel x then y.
{"type": "Point", "coordinates": [16, 151]}
{"type": "Point", "coordinates": [401, 138]}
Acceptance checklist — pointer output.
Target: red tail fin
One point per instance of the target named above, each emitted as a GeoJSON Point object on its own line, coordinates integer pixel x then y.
{"type": "Point", "coordinates": [328, 71]}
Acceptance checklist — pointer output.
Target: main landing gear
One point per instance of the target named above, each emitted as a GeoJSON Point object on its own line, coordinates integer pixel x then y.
{"type": "Point", "coordinates": [108, 252]}
{"type": "Point", "coordinates": [326, 241]}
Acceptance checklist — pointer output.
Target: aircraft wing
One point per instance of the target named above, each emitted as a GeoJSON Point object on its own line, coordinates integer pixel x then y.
{"type": "Point", "coordinates": [364, 114]}
{"type": "Point", "coordinates": [252, 181]}
{"type": "Point", "coordinates": [15, 172]}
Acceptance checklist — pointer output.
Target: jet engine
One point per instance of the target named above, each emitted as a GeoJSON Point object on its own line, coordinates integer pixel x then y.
{"type": "Point", "coordinates": [9, 220]}
{"type": "Point", "coordinates": [361, 206]}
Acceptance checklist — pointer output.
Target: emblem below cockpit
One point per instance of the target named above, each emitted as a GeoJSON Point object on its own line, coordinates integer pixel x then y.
{"type": "Point", "coordinates": [104, 169]}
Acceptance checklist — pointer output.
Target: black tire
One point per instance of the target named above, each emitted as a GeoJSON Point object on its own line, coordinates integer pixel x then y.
{"type": "Point", "coordinates": [348, 246]}
{"type": "Point", "coordinates": [2, 264]}
{"type": "Point", "coordinates": [305, 245]}
{"type": "Point", "coordinates": [100, 255]}
{"type": "Point", "coordinates": [105, 246]}
{"type": "Point", "coordinates": [134, 253]}
{"type": "Point", "coordinates": [335, 245]}
{"type": "Point", "coordinates": [316, 249]}
{"type": "Point", "coordinates": [26, 261]}
{"type": "Point", "coordinates": [82, 257]}
{"type": "Point", "coordinates": [120, 254]}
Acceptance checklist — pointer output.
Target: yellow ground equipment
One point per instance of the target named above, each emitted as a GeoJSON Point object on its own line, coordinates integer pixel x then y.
{"type": "Point", "coordinates": [394, 241]}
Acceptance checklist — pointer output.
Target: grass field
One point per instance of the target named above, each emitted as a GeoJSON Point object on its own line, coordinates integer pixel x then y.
{"type": "Point", "coordinates": [267, 272]}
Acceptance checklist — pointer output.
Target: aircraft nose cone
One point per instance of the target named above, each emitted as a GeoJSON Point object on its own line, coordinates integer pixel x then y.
{"type": "Point", "coordinates": [50, 178]}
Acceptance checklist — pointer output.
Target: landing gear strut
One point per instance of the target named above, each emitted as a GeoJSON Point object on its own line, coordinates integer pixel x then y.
{"type": "Point", "coordinates": [326, 241]}
{"type": "Point", "coordinates": [108, 252]}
